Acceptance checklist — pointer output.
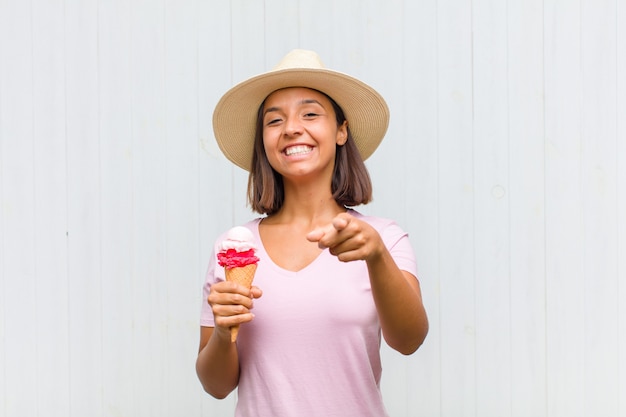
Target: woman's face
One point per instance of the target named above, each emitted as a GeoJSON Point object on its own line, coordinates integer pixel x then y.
{"type": "Point", "coordinates": [300, 133]}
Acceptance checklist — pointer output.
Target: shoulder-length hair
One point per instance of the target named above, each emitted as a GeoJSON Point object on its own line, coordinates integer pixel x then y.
{"type": "Point", "coordinates": [351, 184]}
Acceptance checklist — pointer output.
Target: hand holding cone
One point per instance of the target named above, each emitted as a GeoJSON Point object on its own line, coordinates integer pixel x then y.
{"type": "Point", "coordinates": [237, 256]}
{"type": "Point", "coordinates": [244, 276]}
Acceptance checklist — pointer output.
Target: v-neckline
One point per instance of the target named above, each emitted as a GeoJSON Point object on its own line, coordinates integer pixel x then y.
{"type": "Point", "coordinates": [266, 256]}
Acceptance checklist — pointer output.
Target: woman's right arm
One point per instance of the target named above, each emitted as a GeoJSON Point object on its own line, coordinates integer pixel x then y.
{"type": "Point", "coordinates": [217, 365]}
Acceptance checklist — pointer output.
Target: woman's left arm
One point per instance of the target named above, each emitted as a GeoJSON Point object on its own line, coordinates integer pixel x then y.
{"type": "Point", "coordinates": [398, 300]}
{"type": "Point", "coordinates": [396, 293]}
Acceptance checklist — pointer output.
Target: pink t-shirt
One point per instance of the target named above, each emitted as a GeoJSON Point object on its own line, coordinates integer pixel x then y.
{"type": "Point", "coordinates": [313, 348]}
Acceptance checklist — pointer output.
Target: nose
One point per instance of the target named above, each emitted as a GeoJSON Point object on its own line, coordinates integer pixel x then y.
{"type": "Point", "coordinates": [293, 127]}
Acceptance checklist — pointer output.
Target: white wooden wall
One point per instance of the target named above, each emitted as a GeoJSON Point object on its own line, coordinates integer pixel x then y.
{"type": "Point", "coordinates": [505, 160]}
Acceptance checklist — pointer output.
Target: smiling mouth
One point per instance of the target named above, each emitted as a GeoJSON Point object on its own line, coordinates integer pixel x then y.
{"type": "Point", "coordinates": [298, 150]}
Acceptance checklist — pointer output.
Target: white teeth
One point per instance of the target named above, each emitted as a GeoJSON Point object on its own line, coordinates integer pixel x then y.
{"type": "Point", "coordinates": [297, 150]}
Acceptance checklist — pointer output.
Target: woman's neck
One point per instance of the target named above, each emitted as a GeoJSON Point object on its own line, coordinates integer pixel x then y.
{"type": "Point", "coordinates": [313, 205]}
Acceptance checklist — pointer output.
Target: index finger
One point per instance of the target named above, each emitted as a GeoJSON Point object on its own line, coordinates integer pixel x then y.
{"type": "Point", "coordinates": [231, 287]}
{"type": "Point", "coordinates": [341, 221]}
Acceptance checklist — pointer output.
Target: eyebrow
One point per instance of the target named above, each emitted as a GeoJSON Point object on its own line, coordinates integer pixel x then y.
{"type": "Point", "coordinates": [305, 101]}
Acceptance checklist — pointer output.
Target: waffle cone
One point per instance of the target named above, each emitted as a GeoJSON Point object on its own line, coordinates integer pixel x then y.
{"type": "Point", "coordinates": [244, 276]}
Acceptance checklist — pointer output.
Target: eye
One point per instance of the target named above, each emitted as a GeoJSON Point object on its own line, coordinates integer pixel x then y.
{"type": "Point", "coordinates": [310, 115]}
{"type": "Point", "coordinates": [272, 122]}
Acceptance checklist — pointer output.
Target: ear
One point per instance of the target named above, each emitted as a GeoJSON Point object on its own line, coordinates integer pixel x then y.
{"type": "Point", "coordinates": [342, 133]}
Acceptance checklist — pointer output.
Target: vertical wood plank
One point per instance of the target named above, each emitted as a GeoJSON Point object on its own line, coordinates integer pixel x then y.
{"type": "Point", "coordinates": [216, 182]}
{"type": "Point", "coordinates": [620, 71]}
{"type": "Point", "coordinates": [18, 199]}
{"type": "Point", "coordinates": [599, 174]}
{"type": "Point", "coordinates": [214, 79]}
{"type": "Point", "coordinates": [311, 33]}
{"type": "Point", "coordinates": [420, 122]}
{"type": "Point", "coordinates": [381, 42]}
{"type": "Point", "coordinates": [215, 188]}
{"type": "Point", "coordinates": [4, 286]}
{"type": "Point", "coordinates": [348, 21]}
{"type": "Point", "coordinates": [282, 23]}
{"type": "Point", "coordinates": [456, 209]}
{"type": "Point", "coordinates": [83, 208]}
{"type": "Point", "coordinates": [383, 33]}
{"type": "Point", "coordinates": [527, 208]}
{"type": "Point", "coordinates": [248, 59]}
{"type": "Point", "coordinates": [50, 200]}
{"type": "Point", "coordinates": [181, 89]}
{"type": "Point", "coordinates": [491, 208]}
{"type": "Point", "coordinates": [116, 179]}
{"type": "Point", "coordinates": [149, 159]}
{"type": "Point", "coordinates": [564, 217]}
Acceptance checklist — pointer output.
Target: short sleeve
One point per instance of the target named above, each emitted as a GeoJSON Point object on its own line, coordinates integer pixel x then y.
{"type": "Point", "coordinates": [397, 242]}
{"type": "Point", "coordinates": [395, 239]}
{"type": "Point", "coordinates": [214, 274]}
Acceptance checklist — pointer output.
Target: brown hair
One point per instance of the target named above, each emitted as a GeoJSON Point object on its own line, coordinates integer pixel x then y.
{"type": "Point", "coordinates": [351, 184]}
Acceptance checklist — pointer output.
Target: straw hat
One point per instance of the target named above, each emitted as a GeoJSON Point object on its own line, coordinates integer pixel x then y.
{"type": "Point", "coordinates": [234, 118]}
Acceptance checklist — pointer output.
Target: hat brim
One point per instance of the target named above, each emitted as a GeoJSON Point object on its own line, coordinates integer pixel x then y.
{"type": "Point", "coordinates": [235, 115]}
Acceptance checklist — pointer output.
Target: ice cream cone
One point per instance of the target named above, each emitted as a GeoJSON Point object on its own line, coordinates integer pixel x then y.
{"type": "Point", "coordinates": [244, 276]}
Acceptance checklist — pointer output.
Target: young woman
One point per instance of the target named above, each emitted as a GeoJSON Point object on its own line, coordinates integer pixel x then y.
{"type": "Point", "coordinates": [330, 280]}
